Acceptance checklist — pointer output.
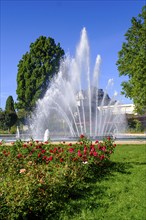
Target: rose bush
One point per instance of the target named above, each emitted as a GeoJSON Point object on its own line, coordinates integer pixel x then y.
{"type": "Point", "coordinates": [37, 178]}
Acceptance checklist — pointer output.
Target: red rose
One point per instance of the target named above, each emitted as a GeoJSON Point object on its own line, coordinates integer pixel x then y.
{"type": "Point", "coordinates": [95, 154]}
{"type": "Point", "coordinates": [109, 138]}
{"type": "Point", "coordinates": [71, 150]}
{"type": "Point", "coordinates": [19, 155]}
{"type": "Point", "coordinates": [44, 157]}
{"type": "Point", "coordinates": [102, 157]}
{"type": "Point", "coordinates": [50, 158]}
{"type": "Point", "coordinates": [79, 153]}
{"type": "Point", "coordinates": [61, 160]}
{"type": "Point", "coordinates": [43, 151]}
{"type": "Point", "coordinates": [103, 148]}
{"type": "Point", "coordinates": [39, 155]}
{"type": "Point", "coordinates": [82, 136]}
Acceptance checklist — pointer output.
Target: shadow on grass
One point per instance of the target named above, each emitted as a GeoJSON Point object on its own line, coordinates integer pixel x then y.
{"type": "Point", "coordinates": [83, 196]}
{"type": "Point", "coordinates": [87, 194]}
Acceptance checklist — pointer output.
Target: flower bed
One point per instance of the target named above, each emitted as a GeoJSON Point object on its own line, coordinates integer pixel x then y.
{"type": "Point", "coordinates": [37, 178]}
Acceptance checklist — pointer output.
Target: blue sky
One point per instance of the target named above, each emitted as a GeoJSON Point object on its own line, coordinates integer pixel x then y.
{"type": "Point", "coordinates": [106, 22]}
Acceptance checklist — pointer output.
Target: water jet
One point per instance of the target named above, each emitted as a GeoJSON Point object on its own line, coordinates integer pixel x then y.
{"type": "Point", "coordinates": [74, 103]}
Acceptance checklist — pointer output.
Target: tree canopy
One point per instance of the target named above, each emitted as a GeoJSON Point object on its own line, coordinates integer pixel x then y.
{"type": "Point", "coordinates": [8, 118]}
{"type": "Point", "coordinates": [35, 70]}
{"type": "Point", "coordinates": [9, 104]}
{"type": "Point", "coordinates": [10, 113]}
{"type": "Point", "coordinates": [132, 62]}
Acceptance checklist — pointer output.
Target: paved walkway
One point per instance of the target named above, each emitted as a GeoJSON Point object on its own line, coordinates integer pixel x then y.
{"type": "Point", "coordinates": [130, 142]}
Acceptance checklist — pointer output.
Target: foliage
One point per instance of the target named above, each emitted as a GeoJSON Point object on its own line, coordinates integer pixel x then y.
{"type": "Point", "coordinates": [13, 129]}
{"type": "Point", "coordinates": [132, 60]}
{"type": "Point", "coordinates": [8, 117]}
{"type": "Point", "coordinates": [2, 120]}
{"type": "Point", "coordinates": [10, 113]}
{"type": "Point", "coordinates": [135, 125]}
{"type": "Point", "coordinates": [9, 104]}
{"type": "Point", "coordinates": [37, 178]}
{"type": "Point", "coordinates": [36, 69]}
{"type": "Point", "coordinates": [23, 116]}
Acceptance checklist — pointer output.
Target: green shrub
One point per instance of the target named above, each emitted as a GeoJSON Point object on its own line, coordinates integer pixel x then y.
{"type": "Point", "coordinates": [38, 178]}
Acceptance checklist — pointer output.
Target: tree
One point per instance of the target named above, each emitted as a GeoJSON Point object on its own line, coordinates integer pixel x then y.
{"type": "Point", "coordinates": [9, 104]}
{"type": "Point", "coordinates": [35, 70]}
{"type": "Point", "coordinates": [2, 119]}
{"type": "Point", "coordinates": [10, 113]}
{"type": "Point", "coordinates": [132, 62]}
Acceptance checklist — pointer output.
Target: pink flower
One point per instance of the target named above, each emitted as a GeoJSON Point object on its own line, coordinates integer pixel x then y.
{"type": "Point", "coordinates": [71, 150]}
{"type": "Point", "coordinates": [96, 142]}
{"type": "Point", "coordinates": [22, 171]}
{"type": "Point", "coordinates": [79, 153]}
{"type": "Point", "coordinates": [95, 154]}
{"type": "Point", "coordinates": [103, 148]}
{"type": "Point", "coordinates": [92, 149]}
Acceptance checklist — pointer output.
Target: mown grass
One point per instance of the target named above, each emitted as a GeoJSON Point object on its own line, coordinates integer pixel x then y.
{"type": "Point", "coordinates": [118, 194]}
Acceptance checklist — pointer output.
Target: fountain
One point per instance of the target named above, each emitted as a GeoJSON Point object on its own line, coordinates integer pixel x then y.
{"type": "Point", "coordinates": [74, 104]}
{"type": "Point", "coordinates": [17, 133]}
{"type": "Point", "coordinates": [46, 135]}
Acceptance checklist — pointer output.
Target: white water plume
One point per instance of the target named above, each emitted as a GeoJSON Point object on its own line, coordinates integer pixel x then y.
{"type": "Point", "coordinates": [68, 109]}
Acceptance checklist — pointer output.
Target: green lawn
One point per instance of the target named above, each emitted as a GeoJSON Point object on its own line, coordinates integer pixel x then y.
{"type": "Point", "coordinates": [119, 194]}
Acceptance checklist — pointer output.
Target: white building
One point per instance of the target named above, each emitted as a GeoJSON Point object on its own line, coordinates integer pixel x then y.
{"type": "Point", "coordinates": [123, 108]}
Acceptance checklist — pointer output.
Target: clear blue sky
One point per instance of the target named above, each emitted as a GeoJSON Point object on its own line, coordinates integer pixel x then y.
{"type": "Point", "coordinates": [22, 22]}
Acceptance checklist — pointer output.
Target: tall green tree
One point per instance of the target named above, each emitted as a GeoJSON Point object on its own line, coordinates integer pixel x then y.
{"type": "Point", "coordinates": [2, 119]}
{"type": "Point", "coordinates": [132, 62]}
{"type": "Point", "coordinates": [35, 70]}
{"type": "Point", "coordinates": [10, 113]}
{"type": "Point", "coordinates": [10, 104]}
